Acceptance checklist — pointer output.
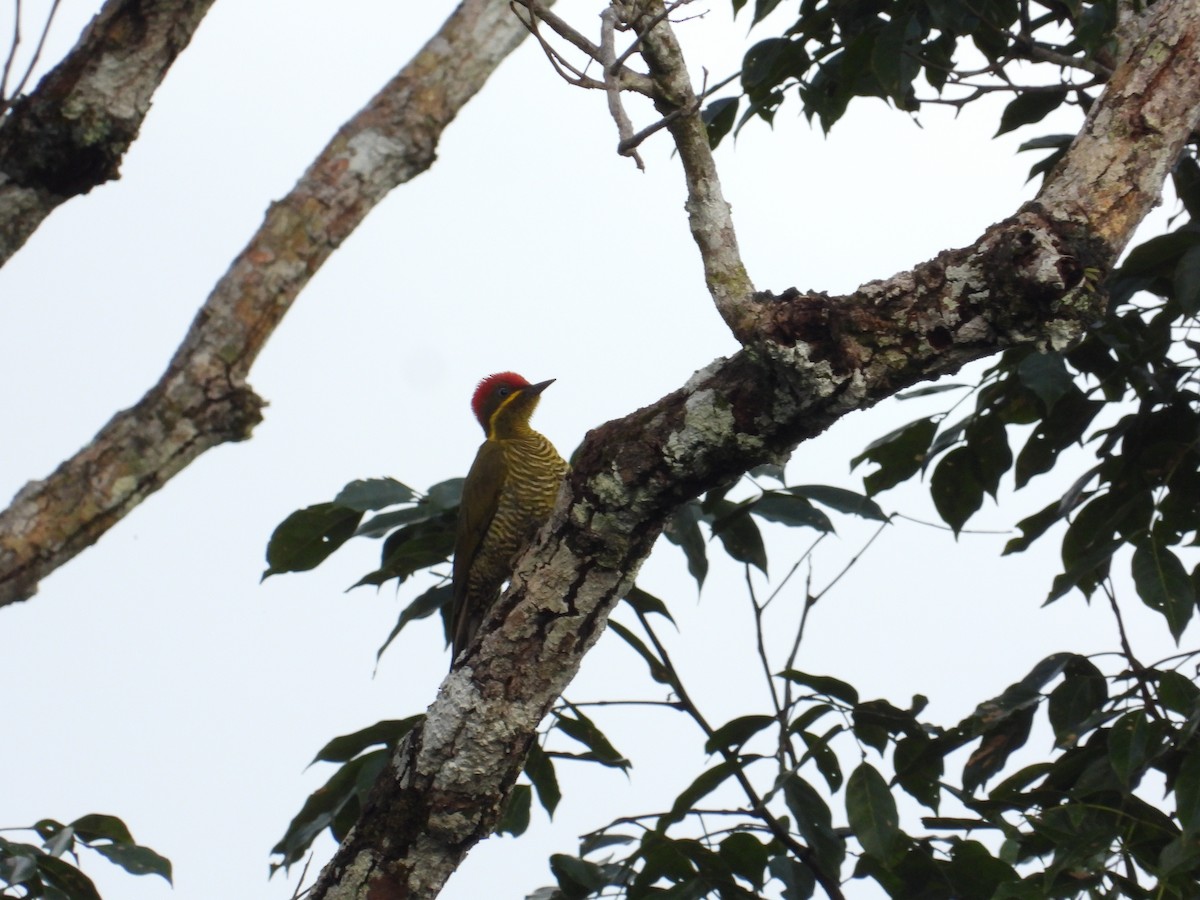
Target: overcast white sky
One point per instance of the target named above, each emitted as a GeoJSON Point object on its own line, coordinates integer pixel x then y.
{"type": "Point", "coordinates": [154, 678]}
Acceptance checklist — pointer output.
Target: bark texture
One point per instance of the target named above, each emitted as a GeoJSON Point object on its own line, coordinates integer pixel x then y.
{"type": "Point", "coordinates": [807, 360]}
{"type": "Point", "coordinates": [72, 132]}
{"type": "Point", "coordinates": [202, 399]}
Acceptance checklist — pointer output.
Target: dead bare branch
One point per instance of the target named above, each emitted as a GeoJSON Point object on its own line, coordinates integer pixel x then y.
{"type": "Point", "coordinates": [71, 133]}
{"type": "Point", "coordinates": [608, 59]}
{"type": "Point", "coordinates": [202, 400]}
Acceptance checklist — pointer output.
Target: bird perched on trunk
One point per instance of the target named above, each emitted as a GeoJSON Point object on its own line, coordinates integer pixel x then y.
{"type": "Point", "coordinates": [508, 494]}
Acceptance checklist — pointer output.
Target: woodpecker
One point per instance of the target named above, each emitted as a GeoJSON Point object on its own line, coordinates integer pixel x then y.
{"type": "Point", "coordinates": [507, 495]}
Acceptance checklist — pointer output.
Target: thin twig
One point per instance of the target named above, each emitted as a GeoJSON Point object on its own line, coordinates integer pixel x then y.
{"type": "Point", "coordinates": [857, 556]}
{"type": "Point", "coordinates": [627, 79]}
{"type": "Point", "coordinates": [37, 51]}
{"type": "Point", "coordinates": [637, 41]}
{"type": "Point", "coordinates": [12, 55]}
{"type": "Point", "coordinates": [1138, 670]}
{"type": "Point", "coordinates": [562, 68]}
{"type": "Point", "coordinates": [762, 649]}
{"type": "Point", "coordinates": [627, 146]}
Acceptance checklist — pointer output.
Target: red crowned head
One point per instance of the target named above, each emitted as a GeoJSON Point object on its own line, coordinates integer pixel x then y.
{"type": "Point", "coordinates": [494, 390]}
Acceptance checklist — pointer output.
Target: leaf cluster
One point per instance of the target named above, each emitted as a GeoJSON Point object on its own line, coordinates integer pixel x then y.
{"type": "Point", "coordinates": [416, 530]}
{"type": "Point", "coordinates": [1128, 393]}
{"type": "Point", "coordinates": [49, 868]}
{"type": "Point", "coordinates": [837, 50]}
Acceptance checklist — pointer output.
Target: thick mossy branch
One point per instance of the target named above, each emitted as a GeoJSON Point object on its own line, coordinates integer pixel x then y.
{"type": "Point", "coordinates": [807, 360]}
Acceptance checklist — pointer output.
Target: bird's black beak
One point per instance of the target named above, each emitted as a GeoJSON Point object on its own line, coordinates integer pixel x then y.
{"type": "Point", "coordinates": [534, 389]}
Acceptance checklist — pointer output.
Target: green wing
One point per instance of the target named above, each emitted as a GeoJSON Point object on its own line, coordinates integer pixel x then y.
{"type": "Point", "coordinates": [481, 496]}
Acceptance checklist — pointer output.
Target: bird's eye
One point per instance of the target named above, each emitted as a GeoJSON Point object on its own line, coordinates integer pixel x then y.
{"type": "Point", "coordinates": [504, 391]}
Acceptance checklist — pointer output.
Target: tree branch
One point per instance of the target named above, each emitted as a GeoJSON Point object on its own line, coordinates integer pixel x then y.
{"type": "Point", "coordinates": [708, 213]}
{"type": "Point", "coordinates": [71, 133]}
{"type": "Point", "coordinates": [812, 359]}
{"type": "Point", "coordinates": [202, 399]}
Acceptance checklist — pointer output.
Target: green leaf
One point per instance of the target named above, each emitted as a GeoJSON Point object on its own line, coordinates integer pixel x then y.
{"type": "Point", "coordinates": [815, 824]}
{"type": "Point", "coordinates": [388, 733]}
{"type": "Point", "coordinates": [995, 746]}
{"type": "Point", "coordinates": [767, 470]}
{"type": "Point", "coordinates": [136, 860]}
{"type": "Point", "coordinates": [769, 63]}
{"type": "Point", "coordinates": [1187, 793]}
{"type": "Point", "coordinates": [662, 858]}
{"type": "Point", "coordinates": [875, 720]}
{"type": "Point", "coordinates": [1028, 108]}
{"type": "Point", "coordinates": [1178, 693]}
{"type": "Point", "coordinates": [1186, 281]}
{"type": "Point", "coordinates": [413, 548]}
{"type": "Point", "coordinates": [657, 670]}
{"type": "Point", "coordinates": [718, 118]}
{"type": "Point", "coordinates": [1033, 527]}
{"type": "Point", "coordinates": [738, 533]}
{"type": "Point", "coordinates": [515, 818]}
{"type": "Point", "coordinates": [899, 454]}
{"type": "Point", "coordinates": [797, 880]}
{"type": "Point", "coordinates": [539, 768]}
{"type": "Point", "coordinates": [1131, 743]}
{"type": "Point", "coordinates": [58, 839]}
{"type": "Point", "coordinates": [734, 733]}
{"type": "Point", "coordinates": [893, 59]}
{"type": "Point", "coordinates": [1186, 177]}
{"type": "Point", "coordinates": [762, 9]}
{"type": "Point", "coordinates": [101, 827]}
{"type": "Point", "coordinates": [823, 684]}
{"type": "Point", "coordinates": [777, 506]}
{"type": "Point", "coordinates": [1164, 584]}
{"type": "Point", "coordinates": [584, 730]}
{"type": "Point", "coordinates": [577, 878]}
{"type": "Point", "coordinates": [1053, 433]}
{"type": "Point", "coordinates": [1047, 142]}
{"type": "Point", "coordinates": [446, 495]}
{"type": "Point", "coordinates": [919, 769]}
{"type": "Point", "coordinates": [378, 526]}
{"type": "Point", "coordinates": [956, 488]}
{"type": "Point", "coordinates": [337, 798]}
{"type": "Point", "coordinates": [73, 884]}
{"type": "Point", "coordinates": [374, 493]}
{"type": "Point", "coordinates": [931, 389]}
{"type": "Point", "coordinates": [871, 810]}
{"type": "Point", "coordinates": [822, 754]}
{"type": "Point", "coordinates": [975, 873]}
{"type": "Point", "coordinates": [18, 862]}
{"type": "Point", "coordinates": [646, 603]}
{"type": "Point", "coordinates": [1046, 375]}
{"type": "Point", "coordinates": [746, 857]}
{"type": "Point", "coordinates": [703, 785]}
{"type": "Point", "coordinates": [1077, 700]}
{"type": "Point", "coordinates": [306, 538]}
{"type": "Point", "coordinates": [987, 440]}
{"type": "Point", "coordinates": [1159, 255]}
{"type": "Point", "coordinates": [683, 530]}
{"type": "Point", "coordinates": [840, 499]}
{"type": "Point", "coordinates": [429, 602]}
{"type": "Point", "coordinates": [814, 712]}
{"type": "Point", "coordinates": [598, 840]}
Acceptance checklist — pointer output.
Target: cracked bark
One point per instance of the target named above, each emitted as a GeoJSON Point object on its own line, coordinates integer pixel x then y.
{"type": "Point", "coordinates": [71, 133]}
{"type": "Point", "coordinates": [202, 399]}
{"type": "Point", "coordinates": [807, 359]}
